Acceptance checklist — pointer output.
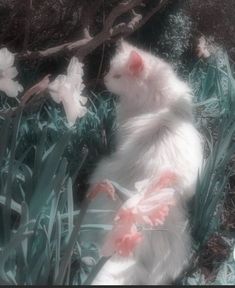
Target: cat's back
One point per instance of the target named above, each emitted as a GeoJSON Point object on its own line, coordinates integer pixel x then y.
{"type": "Point", "coordinates": [149, 143]}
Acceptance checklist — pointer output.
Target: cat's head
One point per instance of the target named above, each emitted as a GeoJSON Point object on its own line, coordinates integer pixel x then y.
{"type": "Point", "coordinates": [127, 70]}
{"type": "Point", "coordinates": [141, 77]}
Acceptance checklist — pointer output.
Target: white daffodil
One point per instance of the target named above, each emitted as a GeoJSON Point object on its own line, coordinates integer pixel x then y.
{"type": "Point", "coordinates": [202, 48]}
{"type": "Point", "coordinates": [7, 73]}
{"type": "Point", "coordinates": [67, 89]}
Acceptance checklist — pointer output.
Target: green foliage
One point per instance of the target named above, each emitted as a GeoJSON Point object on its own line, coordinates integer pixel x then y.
{"type": "Point", "coordinates": [214, 87]}
{"type": "Point", "coordinates": [40, 160]}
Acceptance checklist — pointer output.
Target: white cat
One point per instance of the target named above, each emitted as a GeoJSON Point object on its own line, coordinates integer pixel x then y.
{"type": "Point", "coordinates": [155, 131]}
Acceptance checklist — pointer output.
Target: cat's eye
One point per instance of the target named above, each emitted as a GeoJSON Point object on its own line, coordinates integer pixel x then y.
{"type": "Point", "coordinates": [117, 76]}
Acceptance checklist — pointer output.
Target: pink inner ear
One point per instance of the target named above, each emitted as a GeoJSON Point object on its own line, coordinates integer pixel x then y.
{"type": "Point", "coordinates": [135, 63]}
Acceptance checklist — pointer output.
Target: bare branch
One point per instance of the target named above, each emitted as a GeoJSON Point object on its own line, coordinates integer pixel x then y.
{"type": "Point", "coordinates": [88, 44]}
{"type": "Point", "coordinates": [153, 11]}
{"type": "Point", "coordinates": [54, 50]}
{"type": "Point", "coordinates": [118, 11]}
{"type": "Point", "coordinates": [38, 88]}
{"type": "Point", "coordinates": [137, 21]}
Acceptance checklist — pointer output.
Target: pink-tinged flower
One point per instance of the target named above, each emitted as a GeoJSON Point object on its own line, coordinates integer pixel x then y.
{"type": "Point", "coordinates": [7, 73]}
{"type": "Point", "coordinates": [124, 224]}
{"type": "Point", "coordinates": [158, 216]}
{"type": "Point", "coordinates": [126, 215]}
{"type": "Point", "coordinates": [102, 187]}
{"type": "Point", "coordinates": [126, 244]}
{"type": "Point", "coordinates": [154, 208]}
{"type": "Point", "coordinates": [149, 207]}
{"type": "Point", "coordinates": [122, 240]}
{"type": "Point", "coordinates": [167, 179]}
{"type": "Point", "coordinates": [202, 48]}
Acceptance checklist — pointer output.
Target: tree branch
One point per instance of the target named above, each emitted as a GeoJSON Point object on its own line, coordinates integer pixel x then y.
{"type": "Point", "coordinates": [67, 47]}
{"type": "Point", "coordinates": [153, 11]}
{"type": "Point", "coordinates": [137, 21]}
{"type": "Point", "coordinates": [85, 46]}
{"type": "Point", "coordinates": [36, 89]}
{"type": "Point", "coordinates": [118, 11]}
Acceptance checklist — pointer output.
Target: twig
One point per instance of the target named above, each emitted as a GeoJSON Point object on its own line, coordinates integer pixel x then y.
{"type": "Point", "coordinates": [85, 46]}
{"type": "Point", "coordinates": [67, 47]}
{"type": "Point", "coordinates": [145, 19]}
{"type": "Point", "coordinates": [136, 22]}
{"type": "Point", "coordinates": [38, 88]}
{"type": "Point", "coordinates": [107, 33]}
{"type": "Point", "coordinates": [118, 11]}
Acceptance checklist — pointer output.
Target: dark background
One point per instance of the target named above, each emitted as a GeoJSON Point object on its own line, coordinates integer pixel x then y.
{"type": "Point", "coordinates": [172, 32]}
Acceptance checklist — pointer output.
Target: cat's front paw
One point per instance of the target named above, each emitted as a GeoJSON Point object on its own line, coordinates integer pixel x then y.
{"type": "Point", "coordinates": [102, 187]}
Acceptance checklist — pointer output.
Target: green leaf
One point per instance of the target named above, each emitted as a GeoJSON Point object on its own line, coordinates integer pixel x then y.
{"type": "Point", "coordinates": [43, 187]}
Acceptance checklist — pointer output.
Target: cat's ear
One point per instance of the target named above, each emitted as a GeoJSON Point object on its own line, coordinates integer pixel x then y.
{"type": "Point", "coordinates": [135, 63]}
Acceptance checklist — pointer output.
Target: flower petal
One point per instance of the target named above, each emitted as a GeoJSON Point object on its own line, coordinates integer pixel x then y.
{"type": "Point", "coordinates": [56, 88]}
{"type": "Point", "coordinates": [6, 59]}
{"type": "Point", "coordinates": [126, 244]}
{"type": "Point", "coordinates": [75, 73]}
{"type": "Point", "coordinates": [82, 100]}
{"type": "Point", "coordinates": [10, 73]}
{"type": "Point", "coordinates": [123, 239]}
{"type": "Point", "coordinates": [67, 89]}
{"type": "Point", "coordinates": [73, 109]}
{"type": "Point", "coordinates": [167, 178]}
{"type": "Point", "coordinates": [10, 87]}
{"type": "Point", "coordinates": [141, 185]}
{"type": "Point", "coordinates": [125, 215]}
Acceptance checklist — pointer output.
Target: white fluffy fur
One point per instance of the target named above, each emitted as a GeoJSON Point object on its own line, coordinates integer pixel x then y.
{"type": "Point", "coordinates": [155, 131]}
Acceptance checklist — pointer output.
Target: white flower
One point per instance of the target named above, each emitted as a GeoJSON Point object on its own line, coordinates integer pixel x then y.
{"type": "Point", "coordinates": [67, 89]}
{"type": "Point", "coordinates": [202, 48]}
{"type": "Point", "coordinates": [7, 73]}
